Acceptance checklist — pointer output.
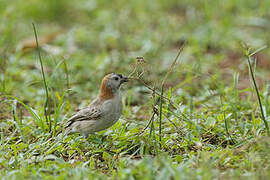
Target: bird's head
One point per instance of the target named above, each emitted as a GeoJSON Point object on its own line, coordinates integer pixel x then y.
{"type": "Point", "coordinates": [110, 85]}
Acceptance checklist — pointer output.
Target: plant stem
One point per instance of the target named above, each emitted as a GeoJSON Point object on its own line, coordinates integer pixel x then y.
{"type": "Point", "coordinates": [160, 113]}
{"type": "Point", "coordinates": [48, 119]}
{"type": "Point", "coordinates": [226, 121]}
{"type": "Point", "coordinates": [257, 93]}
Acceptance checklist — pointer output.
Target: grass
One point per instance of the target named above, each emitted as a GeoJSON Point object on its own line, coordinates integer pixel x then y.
{"type": "Point", "coordinates": [204, 118]}
{"type": "Point", "coordinates": [249, 57]}
{"type": "Point", "coordinates": [46, 107]}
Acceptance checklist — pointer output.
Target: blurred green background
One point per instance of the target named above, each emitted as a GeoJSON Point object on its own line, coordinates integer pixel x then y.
{"type": "Point", "coordinates": [83, 40]}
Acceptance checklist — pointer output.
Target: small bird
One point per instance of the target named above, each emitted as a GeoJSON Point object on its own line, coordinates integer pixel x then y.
{"type": "Point", "coordinates": [102, 112]}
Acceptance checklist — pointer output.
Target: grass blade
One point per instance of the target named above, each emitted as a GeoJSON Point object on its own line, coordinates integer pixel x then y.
{"type": "Point", "coordinates": [160, 114]}
{"type": "Point", "coordinates": [30, 110]}
{"type": "Point", "coordinates": [226, 121]}
{"type": "Point", "coordinates": [46, 105]}
{"type": "Point", "coordinates": [248, 57]}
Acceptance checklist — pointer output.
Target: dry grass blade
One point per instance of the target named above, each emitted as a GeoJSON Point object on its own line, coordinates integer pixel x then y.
{"type": "Point", "coordinates": [174, 63]}
{"type": "Point", "coordinates": [162, 91]}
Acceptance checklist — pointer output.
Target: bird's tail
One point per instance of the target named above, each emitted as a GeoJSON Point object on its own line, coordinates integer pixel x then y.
{"type": "Point", "coordinates": [68, 131]}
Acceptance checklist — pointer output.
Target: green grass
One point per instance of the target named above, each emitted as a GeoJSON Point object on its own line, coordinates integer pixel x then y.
{"type": "Point", "coordinates": [211, 123]}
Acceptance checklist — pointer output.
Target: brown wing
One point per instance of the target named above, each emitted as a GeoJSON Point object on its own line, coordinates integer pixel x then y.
{"type": "Point", "coordinates": [89, 113]}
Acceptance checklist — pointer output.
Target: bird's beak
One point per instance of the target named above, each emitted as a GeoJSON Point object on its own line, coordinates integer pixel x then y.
{"type": "Point", "coordinates": [124, 79]}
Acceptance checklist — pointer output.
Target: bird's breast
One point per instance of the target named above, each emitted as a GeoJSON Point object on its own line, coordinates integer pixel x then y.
{"type": "Point", "coordinates": [113, 109]}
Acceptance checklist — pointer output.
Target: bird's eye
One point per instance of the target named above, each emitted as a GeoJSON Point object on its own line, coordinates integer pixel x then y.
{"type": "Point", "coordinates": [116, 78]}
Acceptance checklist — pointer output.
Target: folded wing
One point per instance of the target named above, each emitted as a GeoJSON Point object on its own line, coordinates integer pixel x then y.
{"type": "Point", "coordinates": [86, 114]}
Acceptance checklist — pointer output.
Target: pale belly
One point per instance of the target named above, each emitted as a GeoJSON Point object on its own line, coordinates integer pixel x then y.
{"type": "Point", "coordinates": [112, 116]}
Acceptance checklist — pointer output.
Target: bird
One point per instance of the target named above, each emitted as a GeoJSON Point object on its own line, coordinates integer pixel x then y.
{"type": "Point", "coordinates": [103, 112]}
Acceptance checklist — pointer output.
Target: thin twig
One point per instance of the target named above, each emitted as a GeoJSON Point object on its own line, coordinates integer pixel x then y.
{"type": "Point", "coordinates": [152, 89]}
{"type": "Point", "coordinates": [162, 90]}
{"type": "Point", "coordinates": [173, 64]}
{"type": "Point", "coordinates": [141, 62]}
{"type": "Point", "coordinates": [149, 122]}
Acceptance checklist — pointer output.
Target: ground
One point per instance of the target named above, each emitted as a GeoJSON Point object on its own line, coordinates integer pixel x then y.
{"type": "Point", "coordinates": [207, 125]}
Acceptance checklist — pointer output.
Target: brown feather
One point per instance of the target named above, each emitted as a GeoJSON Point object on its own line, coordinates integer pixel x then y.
{"type": "Point", "coordinates": [105, 92]}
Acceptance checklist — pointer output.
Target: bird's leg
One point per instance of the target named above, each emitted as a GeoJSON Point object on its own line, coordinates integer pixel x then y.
{"type": "Point", "coordinates": [86, 135]}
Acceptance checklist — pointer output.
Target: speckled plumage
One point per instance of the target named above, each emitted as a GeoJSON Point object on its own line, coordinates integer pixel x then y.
{"type": "Point", "coordinates": [101, 113]}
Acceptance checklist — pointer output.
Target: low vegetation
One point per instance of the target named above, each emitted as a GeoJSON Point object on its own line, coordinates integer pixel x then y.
{"type": "Point", "coordinates": [197, 106]}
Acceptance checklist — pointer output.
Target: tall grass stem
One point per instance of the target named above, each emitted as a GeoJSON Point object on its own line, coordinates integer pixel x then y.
{"type": "Point", "coordinates": [248, 57]}
{"type": "Point", "coordinates": [46, 105]}
{"type": "Point", "coordinates": [160, 114]}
